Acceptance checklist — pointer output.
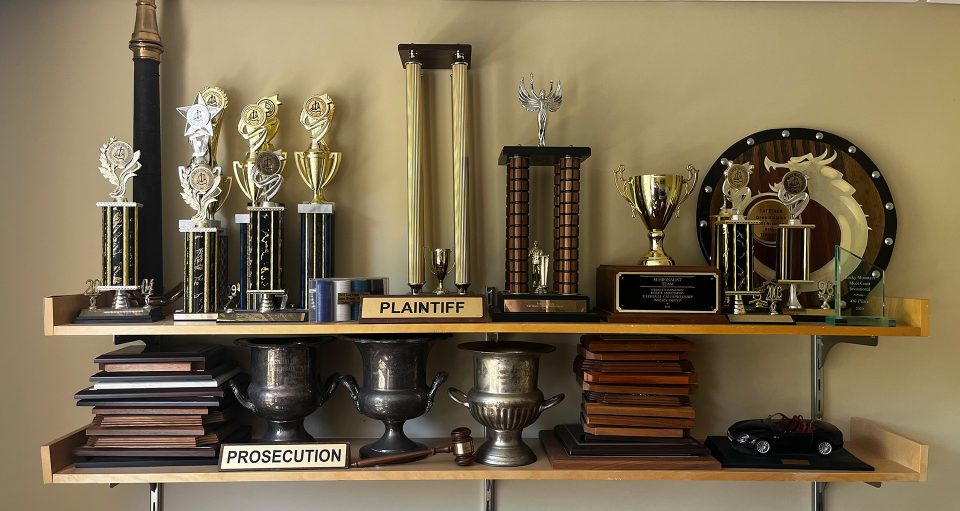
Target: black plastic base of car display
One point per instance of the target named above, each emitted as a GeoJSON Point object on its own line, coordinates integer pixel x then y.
{"type": "Point", "coordinates": [730, 457]}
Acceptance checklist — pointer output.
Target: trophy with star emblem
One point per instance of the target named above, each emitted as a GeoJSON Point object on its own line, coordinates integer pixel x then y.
{"type": "Point", "coordinates": [318, 165]}
{"type": "Point", "coordinates": [202, 183]}
{"type": "Point", "coordinates": [119, 234]}
{"type": "Point", "coordinates": [261, 296]}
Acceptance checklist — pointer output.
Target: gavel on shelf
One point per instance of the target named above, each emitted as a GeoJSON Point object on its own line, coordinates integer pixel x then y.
{"type": "Point", "coordinates": [461, 445]}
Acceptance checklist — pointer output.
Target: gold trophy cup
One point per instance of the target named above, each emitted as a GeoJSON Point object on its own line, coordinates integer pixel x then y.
{"type": "Point", "coordinates": [655, 197]}
{"type": "Point", "coordinates": [318, 165]}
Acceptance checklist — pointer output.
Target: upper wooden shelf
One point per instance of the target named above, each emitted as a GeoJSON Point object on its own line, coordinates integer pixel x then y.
{"type": "Point", "coordinates": [912, 315]}
{"type": "Point", "coordinates": [895, 458]}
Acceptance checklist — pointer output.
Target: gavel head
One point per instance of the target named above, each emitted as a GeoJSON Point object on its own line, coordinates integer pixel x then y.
{"type": "Point", "coordinates": [462, 446]}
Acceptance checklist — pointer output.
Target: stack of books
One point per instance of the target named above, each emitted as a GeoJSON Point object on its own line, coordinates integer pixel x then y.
{"type": "Point", "coordinates": [636, 386]}
{"type": "Point", "coordinates": [155, 408]}
{"type": "Point", "coordinates": [636, 411]}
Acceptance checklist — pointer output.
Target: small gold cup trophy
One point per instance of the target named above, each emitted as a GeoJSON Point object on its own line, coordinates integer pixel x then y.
{"type": "Point", "coordinates": [202, 183]}
{"type": "Point", "coordinates": [120, 231]}
{"type": "Point", "coordinates": [318, 165]}
{"type": "Point", "coordinates": [259, 296]}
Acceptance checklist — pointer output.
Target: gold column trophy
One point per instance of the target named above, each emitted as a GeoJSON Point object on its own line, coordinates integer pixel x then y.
{"type": "Point", "coordinates": [120, 234]}
{"type": "Point", "coordinates": [419, 305]}
{"type": "Point", "coordinates": [202, 183]}
{"type": "Point", "coordinates": [793, 238]}
{"type": "Point", "coordinates": [259, 177]}
{"type": "Point", "coordinates": [733, 240]}
{"type": "Point", "coordinates": [318, 165]}
{"type": "Point", "coordinates": [656, 289]}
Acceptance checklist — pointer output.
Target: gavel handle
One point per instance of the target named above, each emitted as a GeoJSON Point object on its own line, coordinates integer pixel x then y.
{"type": "Point", "coordinates": [403, 456]}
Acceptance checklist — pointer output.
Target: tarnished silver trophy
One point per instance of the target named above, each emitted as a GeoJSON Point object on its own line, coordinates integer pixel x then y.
{"type": "Point", "coordinates": [655, 198]}
{"type": "Point", "coordinates": [284, 385]}
{"type": "Point", "coordinates": [205, 190]}
{"type": "Point", "coordinates": [394, 388]}
{"type": "Point", "coordinates": [505, 398]}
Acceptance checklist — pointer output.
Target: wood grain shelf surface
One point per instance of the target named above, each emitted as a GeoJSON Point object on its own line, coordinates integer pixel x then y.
{"type": "Point", "coordinates": [912, 315]}
{"type": "Point", "coordinates": [896, 459]}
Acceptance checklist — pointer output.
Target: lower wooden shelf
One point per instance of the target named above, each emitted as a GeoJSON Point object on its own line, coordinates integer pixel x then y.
{"type": "Point", "coordinates": [895, 458]}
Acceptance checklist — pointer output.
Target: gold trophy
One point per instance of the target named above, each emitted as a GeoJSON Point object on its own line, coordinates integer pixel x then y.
{"type": "Point", "coordinates": [655, 197]}
{"type": "Point", "coordinates": [318, 165]}
{"type": "Point", "coordinates": [259, 176]}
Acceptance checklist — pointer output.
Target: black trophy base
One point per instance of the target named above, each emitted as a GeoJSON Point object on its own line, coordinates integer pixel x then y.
{"type": "Point", "coordinates": [731, 457]}
{"type": "Point", "coordinates": [275, 316]}
{"type": "Point", "coordinates": [543, 308]}
{"type": "Point", "coordinates": [130, 315]}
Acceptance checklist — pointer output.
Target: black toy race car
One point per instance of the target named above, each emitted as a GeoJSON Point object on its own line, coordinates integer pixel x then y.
{"type": "Point", "coordinates": [785, 435]}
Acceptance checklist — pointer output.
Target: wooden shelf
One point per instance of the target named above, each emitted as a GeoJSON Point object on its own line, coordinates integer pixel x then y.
{"type": "Point", "coordinates": [912, 315]}
{"type": "Point", "coordinates": [896, 458]}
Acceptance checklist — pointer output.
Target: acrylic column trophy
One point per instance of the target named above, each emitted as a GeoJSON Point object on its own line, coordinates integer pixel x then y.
{"type": "Point", "coordinates": [202, 183]}
{"type": "Point", "coordinates": [733, 239]}
{"type": "Point", "coordinates": [793, 240]}
{"type": "Point", "coordinates": [318, 165]}
{"type": "Point", "coordinates": [259, 177]}
{"type": "Point", "coordinates": [120, 232]}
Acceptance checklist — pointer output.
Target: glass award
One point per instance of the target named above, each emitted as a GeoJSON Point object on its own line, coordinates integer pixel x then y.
{"type": "Point", "coordinates": [858, 299]}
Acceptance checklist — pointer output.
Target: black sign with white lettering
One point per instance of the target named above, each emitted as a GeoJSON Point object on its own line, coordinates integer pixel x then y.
{"type": "Point", "coordinates": [653, 292]}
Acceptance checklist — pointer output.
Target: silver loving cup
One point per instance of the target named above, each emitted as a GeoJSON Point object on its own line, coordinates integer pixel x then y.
{"type": "Point", "coordinates": [284, 386]}
{"type": "Point", "coordinates": [505, 398]}
{"type": "Point", "coordinates": [394, 388]}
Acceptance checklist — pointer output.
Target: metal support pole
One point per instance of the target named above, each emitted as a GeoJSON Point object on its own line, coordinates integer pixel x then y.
{"type": "Point", "coordinates": [415, 275]}
{"type": "Point", "coordinates": [820, 346]}
{"type": "Point", "coordinates": [461, 172]}
{"type": "Point", "coordinates": [156, 497]}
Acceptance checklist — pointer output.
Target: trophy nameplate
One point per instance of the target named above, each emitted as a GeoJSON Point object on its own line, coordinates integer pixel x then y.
{"type": "Point", "coordinates": [631, 294]}
{"type": "Point", "coordinates": [424, 308]}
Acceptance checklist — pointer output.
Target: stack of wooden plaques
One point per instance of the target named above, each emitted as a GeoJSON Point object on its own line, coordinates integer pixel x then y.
{"type": "Point", "coordinates": [636, 411]}
{"type": "Point", "coordinates": [635, 386]}
{"type": "Point", "coordinates": [159, 408]}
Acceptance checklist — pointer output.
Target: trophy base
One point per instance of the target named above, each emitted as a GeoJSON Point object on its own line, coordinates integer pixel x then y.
{"type": "Point", "coordinates": [659, 294]}
{"type": "Point", "coordinates": [275, 316]}
{"type": "Point", "coordinates": [130, 315]}
{"type": "Point", "coordinates": [547, 307]}
{"type": "Point", "coordinates": [195, 316]}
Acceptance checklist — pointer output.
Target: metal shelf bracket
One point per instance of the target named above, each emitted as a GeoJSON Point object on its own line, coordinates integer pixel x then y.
{"type": "Point", "coordinates": [156, 497]}
{"type": "Point", "coordinates": [820, 346]}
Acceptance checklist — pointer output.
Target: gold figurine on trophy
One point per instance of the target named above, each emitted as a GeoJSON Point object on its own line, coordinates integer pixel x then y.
{"type": "Point", "coordinates": [318, 165]}
{"type": "Point", "coordinates": [260, 175]}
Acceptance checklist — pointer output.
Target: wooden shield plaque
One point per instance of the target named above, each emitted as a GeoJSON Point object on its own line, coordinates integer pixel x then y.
{"type": "Point", "coordinates": [850, 203]}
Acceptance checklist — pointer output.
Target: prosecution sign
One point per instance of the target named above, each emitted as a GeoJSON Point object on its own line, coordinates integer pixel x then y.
{"type": "Point", "coordinates": [274, 456]}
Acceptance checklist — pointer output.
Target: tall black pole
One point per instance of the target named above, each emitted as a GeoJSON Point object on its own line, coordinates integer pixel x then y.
{"type": "Point", "coordinates": [146, 47]}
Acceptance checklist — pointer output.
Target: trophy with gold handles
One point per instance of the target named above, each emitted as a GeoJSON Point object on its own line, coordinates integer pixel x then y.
{"type": "Point", "coordinates": [204, 189]}
{"type": "Point", "coordinates": [120, 232]}
{"type": "Point", "coordinates": [655, 198]}
{"type": "Point", "coordinates": [259, 177]}
{"type": "Point", "coordinates": [318, 165]}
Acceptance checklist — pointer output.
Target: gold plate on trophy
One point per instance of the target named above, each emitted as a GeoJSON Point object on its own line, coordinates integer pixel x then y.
{"type": "Point", "coordinates": [119, 153]}
{"type": "Point", "coordinates": [253, 116]}
{"type": "Point", "coordinates": [269, 105]}
{"type": "Point", "coordinates": [268, 163]}
{"type": "Point", "coordinates": [201, 178]}
{"type": "Point", "coordinates": [316, 106]}
{"type": "Point", "coordinates": [850, 204]}
{"type": "Point", "coordinates": [214, 97]}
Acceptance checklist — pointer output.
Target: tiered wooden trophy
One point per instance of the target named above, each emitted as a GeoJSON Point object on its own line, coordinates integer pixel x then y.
{"type": "Point", "coordinates": [562, 301]}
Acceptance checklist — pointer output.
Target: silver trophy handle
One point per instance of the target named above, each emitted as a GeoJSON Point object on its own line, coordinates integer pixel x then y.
{"type": "Point", "coordinates": [328, 388]}
{"type": "Point", "coordinates": [551, 402]}
{"type": "Point", "coordinates": [458, 396]}
{"type": "Point", "coordinates": [351, 384]}
{"type": "Point", "coordinates": [437, 381]}
{"type": "Point", "coordinates": [241, 396]}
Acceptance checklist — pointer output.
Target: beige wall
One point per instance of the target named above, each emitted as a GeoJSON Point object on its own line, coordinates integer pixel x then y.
{"type": "Point", "coordinates": [653, 85]}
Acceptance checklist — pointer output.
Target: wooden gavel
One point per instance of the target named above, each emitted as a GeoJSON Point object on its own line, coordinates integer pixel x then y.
{"type": "Point", "coordinates": [461, 446]}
